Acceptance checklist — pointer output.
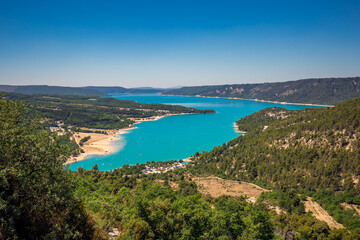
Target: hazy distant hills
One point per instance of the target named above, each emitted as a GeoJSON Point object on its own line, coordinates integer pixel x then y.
{"type": "Point", "coordinates": [82, 91]}
{"type": "Point", "coordinates": [45, 89]}
{"type": "Point", "coordinates": [328, 91]}
{"type": "Point", "coordinates": [315, 91]}
{"type": "Point", "coordinates": [126, 90]}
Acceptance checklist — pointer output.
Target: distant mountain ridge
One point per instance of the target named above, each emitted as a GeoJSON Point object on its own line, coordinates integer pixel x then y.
{"type": "Point", "coordinates": [324, 91]}
{"type": "Point", "coordinates": [81, 91]}
{"type": "Point", "coordinates": [327, 91]}
{"type": "Point", "coordinates": [45, 89]}
{"type": "Point", "coordinates": [125, 90]}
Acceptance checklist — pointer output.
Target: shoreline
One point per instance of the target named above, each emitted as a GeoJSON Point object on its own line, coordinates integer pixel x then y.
{"type": "Point", "coordinates": [98, 144]}
{"type": "Point", "coordinates": [237, 130]}
{"type": "Point", "coordinates": [188, 159]}
{"type": "Point", "coordinates": [256, 100]}
{"type": "Point", "coordinates": [102, 144]}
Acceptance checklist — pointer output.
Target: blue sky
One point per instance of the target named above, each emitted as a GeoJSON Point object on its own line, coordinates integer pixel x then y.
{"type": "Point", "coordinates": [176, 43]}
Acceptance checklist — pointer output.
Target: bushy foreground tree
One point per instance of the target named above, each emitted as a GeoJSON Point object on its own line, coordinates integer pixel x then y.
{"type": "Point", "coordinates": [36, 196]}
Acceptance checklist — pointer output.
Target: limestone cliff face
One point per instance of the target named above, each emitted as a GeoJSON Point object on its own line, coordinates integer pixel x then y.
{"type": "Point", "coordinates": [327, 91]}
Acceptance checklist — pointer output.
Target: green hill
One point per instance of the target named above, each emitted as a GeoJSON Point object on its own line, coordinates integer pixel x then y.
{"type": "Point", "coordinates": [36, 193]}
{"type": "Point", "coordinates": [326, 91]}
{"type": "Point", "coordinates": [262, 118]}
{"type": "Point", "coordinates": [306, 149]}
{"type": "Point", "coordinates": [314, 152]}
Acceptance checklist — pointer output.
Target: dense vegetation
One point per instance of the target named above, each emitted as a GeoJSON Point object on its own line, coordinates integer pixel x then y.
{"type": "Point", "coordinates": [142, 208]}
{"type": "Point", "coordinates": [314, 146]}
{"type": "Point", "coordinates": [37, 199]}
{"type": "Point", "coordinates": [312, 152]}
{"type": "Point", "coordinates": [169, 206]}
{"type": "Point", "coordinates": [67, 140]}
{"type": "Point", "coordinates": [36, 194]}
{"type": "Point", "coordinates": [262, 118]}
{"type": "Point", "coordinates": [308, 151]}
{"type": "Point", "coordinates": [316, 91]}
{"type": "Point", "coordinates": [95, 112]}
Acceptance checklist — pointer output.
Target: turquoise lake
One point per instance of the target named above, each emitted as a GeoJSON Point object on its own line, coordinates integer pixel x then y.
{"type": "Point", "coordinates": [177, 137]}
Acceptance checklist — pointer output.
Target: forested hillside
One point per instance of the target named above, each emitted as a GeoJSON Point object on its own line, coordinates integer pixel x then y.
{"type": "Point", "coordinates": [296, 154]}
{"type": "Point", "coordinates": [37, 198]}
{"type": "Point", "coordinates": [94, 112]}
{"type": "Point", "coordinates": [312, 151]}
{"type": "Point", "coordinates": [316, 148]}
{"type": "Point", "coordinates": [326, 91]}
{"type": "Point", "coordinates": [169, 206]}
{"type": "Point", "coordinates": [262, 118]}
{"type": "Point", "coordinates": [41, 199]}
{"type": "Point", "coordinates": [147, 207]}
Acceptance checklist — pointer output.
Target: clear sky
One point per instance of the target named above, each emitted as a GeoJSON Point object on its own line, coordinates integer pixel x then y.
{"type": "Point", "coordinates": [176, 43]}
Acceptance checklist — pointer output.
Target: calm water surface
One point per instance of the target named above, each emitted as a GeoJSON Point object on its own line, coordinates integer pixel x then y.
{"type": "Point", "coordinates": [177, 137]}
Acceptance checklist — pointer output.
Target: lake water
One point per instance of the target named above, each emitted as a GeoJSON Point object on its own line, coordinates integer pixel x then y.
{"type": "Point", "coordinates": [177, 137]}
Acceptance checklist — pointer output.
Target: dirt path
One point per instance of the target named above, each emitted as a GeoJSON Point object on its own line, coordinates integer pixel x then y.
{"type": "Point", "coordinates": [217, 187]}
{"type": "Point", "coordinates": [320, 213]}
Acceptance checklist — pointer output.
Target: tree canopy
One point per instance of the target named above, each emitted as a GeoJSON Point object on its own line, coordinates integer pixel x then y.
{"type": "Point", "coordinates": [36, 193]}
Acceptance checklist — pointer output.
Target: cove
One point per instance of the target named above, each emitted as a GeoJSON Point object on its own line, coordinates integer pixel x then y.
{"type": "Point", "coordinates": [177, 137]}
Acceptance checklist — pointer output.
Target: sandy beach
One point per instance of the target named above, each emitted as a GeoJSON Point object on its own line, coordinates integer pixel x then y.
{"type": "Point", "coordinates": [101, 144]}
{"type": "Point", "coordinates": [237, 130]}
{"type": "Point", "coordinates": [98, 144]}
{"type": "Point", "coordinates": [189, 159]}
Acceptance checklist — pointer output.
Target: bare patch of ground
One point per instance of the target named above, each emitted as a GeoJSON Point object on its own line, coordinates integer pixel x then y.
{"type": "Point", "coordinates": [319, 213]}
{"type": "Point", "coordinates": [98, 144]}
{"type": "Point", "coordinates": [217, 187]}
{"type": "Point", "coordinates": [277, 209]}
{"type": "Point", "coordinates": [351, 206]}
{"type": "Point", "coordinates": [172, 184]}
